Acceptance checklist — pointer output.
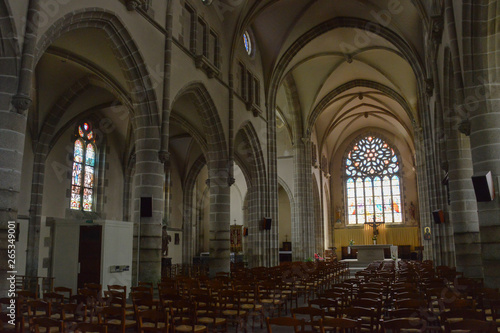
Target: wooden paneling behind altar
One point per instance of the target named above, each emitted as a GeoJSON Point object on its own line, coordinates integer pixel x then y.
{"type": "Point", "coordinates": [387, 235]}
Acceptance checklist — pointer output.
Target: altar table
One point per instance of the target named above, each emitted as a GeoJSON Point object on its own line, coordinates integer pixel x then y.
{"type": "Point", "coordinates": [369, 253]}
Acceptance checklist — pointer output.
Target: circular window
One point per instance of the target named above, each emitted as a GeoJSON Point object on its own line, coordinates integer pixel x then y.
{"type": "Point", "coordinates": [247, 42]}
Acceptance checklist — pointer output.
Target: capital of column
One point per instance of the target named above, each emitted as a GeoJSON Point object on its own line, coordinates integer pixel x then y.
{"type": "Point", "coordinates": [464, 127]}
{"type": "Point", "coordinates": [21, 103]}
{"type": "Point", "coordinates": [132, 4]}
{"type": "Point", "coordinates": [164, 156]}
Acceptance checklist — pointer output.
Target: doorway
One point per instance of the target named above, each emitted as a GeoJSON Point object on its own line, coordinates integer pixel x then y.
{"type": "Point", "coordinates": [89, 255]}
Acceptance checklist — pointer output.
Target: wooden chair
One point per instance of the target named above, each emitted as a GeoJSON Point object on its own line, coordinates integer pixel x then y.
{"type": "Point", "coordinates": [341, 325]}
{"type": "Point", "coordinates": [471, 325]}
{"type": "Point", "coordinates": [73, 313]}
{"type": "Point", "coordinates": [288, 322]}
{"type": "Point", "coordinates": [37, 309]}
{"type": "Point", "coordinates": [212, 320]}
{"type": "Point", "coordinates": [90, 328]}
{"type": "Point", "coordinates": [56, 300]}
{"type": "Point", "coordinates": [66, 292]}
{"type": "Point", "coordinates": [368, 317]}
{"type": "Point", "coordinates": [114, 317]}
{"type": "Point", "coordinates": [7, 327]}
{"type": "Point", "coordinates": [153, 320]}
{"type": "Point", "coordinates": [459, 314]}
{"type": "Point", "coordinates": [144, 289]}
{"type": "Point", "coordinates": [230, 308]}
{"type": "Point", "coordinates": [96, 287]}
{"type": "Point", "coordinates": [249, 302]}
{"type": "Point", "coordinates": [46, 325]}
{"type": "Point", "coordinates": [402, 325]}
{"type": "Point", "coordinates": [312, 316]}
{"type": "Point", "coordinates": [270, 297]}
{"type": "Point", "coordinates": [184, 317]}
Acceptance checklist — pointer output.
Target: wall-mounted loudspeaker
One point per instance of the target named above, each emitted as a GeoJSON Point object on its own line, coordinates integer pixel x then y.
{"type": "Point", "coordinates": [146, 207]}
{"type": "Point", "coordinates": [483, 186]}
{"type": "Point", "coordinates": [266, 223]}
{"type": "Point", "coordinates": [438, 216]}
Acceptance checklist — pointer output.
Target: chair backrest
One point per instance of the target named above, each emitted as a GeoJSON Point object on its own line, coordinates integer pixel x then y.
{"type": "Point", "coordinates": [48, 324]}
{"type": "Point", "coordinates": [90, 328]}
{"type": "Point", "coordinates": [311, 312]}
{"type": "Point", "coordinates": [401, 324]}
{"type": "Point", "coordinates": [371, 315]}
{"type": "Point", "coordinates": [67, 292]}
{"type": "Point", "coordinates": [118, 288]}
{"type": "Point", "coordinates": [297, 324]}
{"type": "Point", "coordinates": [341, 325]}
{"type": "Point", "coordinates": [38, 308]}
{"type": "Point", "coordinates": [152, 318]}
{"type": "Point", "coordinates": [411, 303]}
{"type": "Point", "coordinates": [472, 325]}
{"type": "Point", "coordinates": [461, 314]}
{"type": "Point", "coordinates": [53, 297]}
{"type": "Point", "coordinates": [77, 310]}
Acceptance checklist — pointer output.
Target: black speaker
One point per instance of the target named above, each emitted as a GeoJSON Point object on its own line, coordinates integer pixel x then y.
{"type": "Point", "coordinates": [266, 222]}
{"type": "Point", "coordinates": [146, 207]}
{"type": "Point", "coordinates": [483, 186]}
{"type": "Point", "coordinates": [438, 216]}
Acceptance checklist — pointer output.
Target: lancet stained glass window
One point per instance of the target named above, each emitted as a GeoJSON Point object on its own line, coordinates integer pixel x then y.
{"type": "Point", "coordinates": [82, 179]}
{"type": "Point", "coordinates": [373, 183]}
{"type": "Point", "coordinates": [247, 42]}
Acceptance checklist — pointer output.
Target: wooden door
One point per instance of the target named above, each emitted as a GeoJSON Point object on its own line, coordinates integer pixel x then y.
{"type": "Point", "coordinates": [89, 255]}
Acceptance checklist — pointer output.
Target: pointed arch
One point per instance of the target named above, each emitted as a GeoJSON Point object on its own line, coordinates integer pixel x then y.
{"type": "Point", "coordinates": [189, 247]}
{"type": "Point", "coordinates": [212, 125]}
{"type": "Point", "coordinates": [249, 156]}
{"type": "Point", "coordinates": [127, 52]}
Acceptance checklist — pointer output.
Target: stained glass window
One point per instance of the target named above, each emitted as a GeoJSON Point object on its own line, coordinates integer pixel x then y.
{"type": "Point", "coordinates": [247, 42]}
{"type": "Point", "coordinates": [82, 179]}
{"type": "Point", "coordinates": [373, 189]}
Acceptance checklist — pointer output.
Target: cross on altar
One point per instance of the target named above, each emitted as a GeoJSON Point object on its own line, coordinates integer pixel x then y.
{"type": "Point", "coordinates": [374, 225]}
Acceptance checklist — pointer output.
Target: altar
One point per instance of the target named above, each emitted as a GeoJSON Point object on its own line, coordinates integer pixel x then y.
{"type": "Point", "coordinates": [369, 253]}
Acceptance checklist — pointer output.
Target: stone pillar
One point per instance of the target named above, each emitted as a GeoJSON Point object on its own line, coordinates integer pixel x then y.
{"type": "Point", "coordinates": [219, 221]}
{"type": "Point", "coordinates": [463, 212]}
{"type": "Point", "coordinates": [14, 102]}
{"type": "Point", "coordinates": [482, 102]}
{"type": "Point", "coordinates": [149, 180]}
{"type": "Point", "coordinates": [12, 133]}
{"type": "Point", "coordinates": [303, 241]}
{"type": "Point", "coordinates": [423, 192]}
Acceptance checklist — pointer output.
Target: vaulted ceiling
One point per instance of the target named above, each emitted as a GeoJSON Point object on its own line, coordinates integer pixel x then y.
{"type": "Point", "coordinates": [351, 64]}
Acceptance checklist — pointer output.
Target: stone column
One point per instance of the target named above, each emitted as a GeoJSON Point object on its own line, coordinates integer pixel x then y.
{"type": "Point", "coordinates": [423, 192]}
{"type": "Point", "coordinates": [463, 212]}
{"type": "Point", "coordinates": [15, 84]}
{"type": "Point", "coordinates": [482, 102]}
{"type": "Point", "coordinates": [149, 180]}
{"type": "Point", "coordinates": [219, 221]}
{"type": "Point", "coordinates": [303, 241]}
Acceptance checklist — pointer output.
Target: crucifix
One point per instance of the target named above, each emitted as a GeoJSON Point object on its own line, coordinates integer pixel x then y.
{"type": "Point", "coordinates": [374, 225]}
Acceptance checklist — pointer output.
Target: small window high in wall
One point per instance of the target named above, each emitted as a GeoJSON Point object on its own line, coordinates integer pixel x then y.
{"type": "Point", "coordinates": [83, 175]}
{"type": "Point", "coordinates": [372, 182]}
{"type": "Point", "coordinates": [247, 42]}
